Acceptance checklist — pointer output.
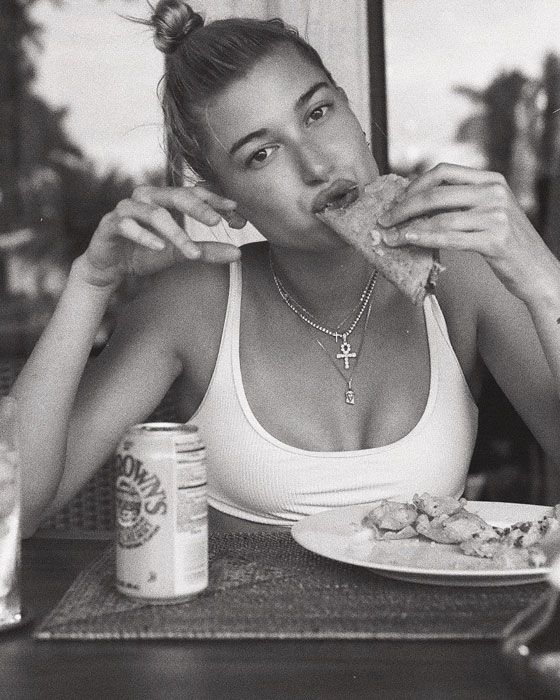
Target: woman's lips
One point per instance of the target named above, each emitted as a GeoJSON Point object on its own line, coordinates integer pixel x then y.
{"type": "Point", "coordinates": [344, 200]}
{"type": "Point", "coordinates": [338, 194]}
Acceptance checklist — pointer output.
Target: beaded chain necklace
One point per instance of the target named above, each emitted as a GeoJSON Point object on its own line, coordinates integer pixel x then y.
{"type": "Point", "coordinates": [346, 353]}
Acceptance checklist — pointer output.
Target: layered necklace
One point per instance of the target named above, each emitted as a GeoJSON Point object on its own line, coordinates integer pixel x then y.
{"type": "Point", "coordinates": [346, 353]}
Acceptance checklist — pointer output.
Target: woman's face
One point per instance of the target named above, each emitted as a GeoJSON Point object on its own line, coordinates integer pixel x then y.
{"type": "Point", "coordinates": [278, 138]}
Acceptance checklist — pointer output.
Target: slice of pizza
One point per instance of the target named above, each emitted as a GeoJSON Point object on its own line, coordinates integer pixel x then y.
{"type": "Point", "coordinates": [411, 269]}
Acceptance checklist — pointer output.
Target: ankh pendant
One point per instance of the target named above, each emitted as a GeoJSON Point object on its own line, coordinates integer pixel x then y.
{"type": "Point", "coordinates": [345, 352]}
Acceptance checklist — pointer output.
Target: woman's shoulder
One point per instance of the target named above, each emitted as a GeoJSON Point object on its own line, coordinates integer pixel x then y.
{"type": "Point", "coordinates": [459, 299]}
{"type": "Point", "coordinates": [179, 299]}
{"type": "Point", "coordinates": [462, 283]}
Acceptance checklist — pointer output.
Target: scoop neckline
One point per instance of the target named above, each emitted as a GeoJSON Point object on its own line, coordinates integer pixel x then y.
{"type": "Point", "coordinates": [234, 335]}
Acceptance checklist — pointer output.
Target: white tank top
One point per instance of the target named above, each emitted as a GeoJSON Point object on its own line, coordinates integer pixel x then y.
{"type": "Point", "coordinates": [254, 476]}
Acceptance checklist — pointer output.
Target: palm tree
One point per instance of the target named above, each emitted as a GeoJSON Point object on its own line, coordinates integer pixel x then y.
{"type": "Point", "coordinates": [493, 125]}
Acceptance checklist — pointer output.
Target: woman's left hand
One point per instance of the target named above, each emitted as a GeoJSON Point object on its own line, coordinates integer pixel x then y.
{"type": "Point", "coordinates": [455, 207]}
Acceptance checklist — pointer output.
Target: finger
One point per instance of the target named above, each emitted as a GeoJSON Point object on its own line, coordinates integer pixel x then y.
{"type": "Point", "coordinates": [452, 240]}
{"type": "Point", "coordinates": [196, 202]}
{"type": "Point", "coordinates": [219, 252]}
{"type": "Point", "coordinates": [477, 241]}
{"type": "Point", "coordinates": [234, 219]}
{"type": "Point", "coordinates": [423, 231]}
{"type": "Point", "coordinates": [214, 200]}
{"type": "Point", "coordinates": [453, 174]}
{"type": "Point", "coordinates": [442, 198]}
{"type": "Point", "coordinates": [131, 230]}
{"type": "Point", "coordinates": [225, 207]}
{"type": "Point", "coordinates": [183, 200]}
{"type": "Point", "coordinates": [161, 221]}
{"type": "Point", "coordinates": [462, 220]}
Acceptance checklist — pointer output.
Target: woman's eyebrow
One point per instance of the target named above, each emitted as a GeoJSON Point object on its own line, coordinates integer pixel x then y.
{"type": "Point", "coordinates": [301, 100]}
{"type": "Point", "coordinates": [245, 139]}
{"type": "Point", "coordinates": [308, 94]}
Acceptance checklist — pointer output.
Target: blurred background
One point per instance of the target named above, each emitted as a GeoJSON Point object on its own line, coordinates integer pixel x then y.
{"type": "Point", "coordinates": [475, 83]}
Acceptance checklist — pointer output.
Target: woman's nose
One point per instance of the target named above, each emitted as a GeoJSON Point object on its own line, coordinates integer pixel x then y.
{"type": "Point", "coordinates": [315, 164]}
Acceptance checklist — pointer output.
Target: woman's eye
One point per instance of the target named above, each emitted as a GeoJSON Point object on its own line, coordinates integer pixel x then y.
{"type": "Point", "coordinates": [260, 156]}
{"type": "Point", "coordinates": [317, 113]}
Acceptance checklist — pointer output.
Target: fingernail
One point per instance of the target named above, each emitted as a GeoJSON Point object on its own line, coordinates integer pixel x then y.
{"type": "Point", "coordinates": [410, 236]}
{"type": "Point", "coordinates": [236, 221]}
{"type": "Point", "coordinates": [390, 237]}
{"type": "Point", "coordinates": [384, 220]}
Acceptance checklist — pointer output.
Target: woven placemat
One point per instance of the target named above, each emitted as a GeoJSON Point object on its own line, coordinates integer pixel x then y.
{"type": "Point", "coordinates": [265, 585]}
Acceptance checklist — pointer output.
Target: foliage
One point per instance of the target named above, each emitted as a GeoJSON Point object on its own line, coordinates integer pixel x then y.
{"type": "Point", "coordinates": [492, 127]}
{"type": "Point", "coordinates": [515, 122]}
{"type": "Point", "coordinates": [36, 142]}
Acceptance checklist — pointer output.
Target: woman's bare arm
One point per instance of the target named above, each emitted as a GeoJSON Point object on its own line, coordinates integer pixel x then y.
{"type": "Point", "coordinates": [70, 416]}
{"type": "Point", "coordinates": [520, 346]}
{"type": "Point", "coordinates": [513, 279]}
{"type": "Point", "coordinates": [46, 387]}
{"type": "Point", "coordinates": [72, 411]}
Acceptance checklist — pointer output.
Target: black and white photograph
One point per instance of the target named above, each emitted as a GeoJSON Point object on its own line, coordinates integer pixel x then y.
{"type": "Point", "coordinates": [280, 349]}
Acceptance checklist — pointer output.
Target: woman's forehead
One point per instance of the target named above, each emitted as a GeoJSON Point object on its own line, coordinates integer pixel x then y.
{"type": "Point", "coordinates": [268, 94]}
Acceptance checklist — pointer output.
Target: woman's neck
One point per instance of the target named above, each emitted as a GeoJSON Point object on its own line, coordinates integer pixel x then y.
{"type": "Point", "coordinates": [328, 284]}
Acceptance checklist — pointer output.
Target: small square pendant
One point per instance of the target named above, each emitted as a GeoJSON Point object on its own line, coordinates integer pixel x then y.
{"type": "Point", "coordinates": [349, 394]}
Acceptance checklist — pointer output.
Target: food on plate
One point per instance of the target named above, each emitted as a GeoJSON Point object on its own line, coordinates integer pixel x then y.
{"type": "Point", "coordinates": [411, 269]}
{"type": "Point", "coordinates": [438, 505]}
{"type": "Point", "coordinates": [390, 515]}
{"type": "Point", "coordinates": [389, 520]}
{"type": "Point", "coordinates": [403, 534]}
{"type": "Point", "coordinates": [455, 528]}
{"type": "Point", "coordinates": [448, 521]}
{"type": "Point", "coordinates": [525, 534]}
{"type": "Point", "coordinates": [503, 554]}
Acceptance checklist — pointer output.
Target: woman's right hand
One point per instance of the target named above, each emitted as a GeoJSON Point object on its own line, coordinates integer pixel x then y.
{"type": "Point", "coordinates": [141, 237]}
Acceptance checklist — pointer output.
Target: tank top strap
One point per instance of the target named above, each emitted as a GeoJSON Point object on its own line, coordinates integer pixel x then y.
{"type": "Point", "coordinates": [232, 319]}
{"type": "Point", "coordinates": [435, 318]}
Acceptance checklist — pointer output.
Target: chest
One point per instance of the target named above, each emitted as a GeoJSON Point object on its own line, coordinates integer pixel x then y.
{"type": "Point", "coordinates": [295, 385]}
{"type": "Point", "coordinates": [296, 378]}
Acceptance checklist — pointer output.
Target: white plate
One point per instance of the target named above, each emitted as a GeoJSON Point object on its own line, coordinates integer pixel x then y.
{"type": "Point", "coordinates": [337, 534]}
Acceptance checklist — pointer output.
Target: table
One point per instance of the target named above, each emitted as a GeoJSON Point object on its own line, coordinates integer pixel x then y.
{"type": "Point", "coordinates": [226, 669]}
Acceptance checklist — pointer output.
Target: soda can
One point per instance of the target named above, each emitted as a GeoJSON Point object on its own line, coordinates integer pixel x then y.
{"type": "Point", "coordinates": [161, 513]}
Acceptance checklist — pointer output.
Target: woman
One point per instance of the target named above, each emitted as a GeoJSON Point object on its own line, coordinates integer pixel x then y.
{"type": "Point", "coordinates": [254, 346]}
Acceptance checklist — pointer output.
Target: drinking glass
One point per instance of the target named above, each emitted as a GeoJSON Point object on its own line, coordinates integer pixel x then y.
{"type": "Point", "coordinates": [10, 547]}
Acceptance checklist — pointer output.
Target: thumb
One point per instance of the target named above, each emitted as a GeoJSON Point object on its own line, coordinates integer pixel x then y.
{"type": "Point", "coordinates": [393, 237]}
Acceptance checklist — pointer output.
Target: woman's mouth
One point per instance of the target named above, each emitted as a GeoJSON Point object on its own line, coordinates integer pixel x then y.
{"type": "Point", "coordinates": [339, 194]}
{"type": "Point", "coordinates": [343, 200]}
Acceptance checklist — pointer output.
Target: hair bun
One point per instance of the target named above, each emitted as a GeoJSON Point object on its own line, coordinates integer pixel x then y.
{"type": "Point", "coordinates": [173, 21]}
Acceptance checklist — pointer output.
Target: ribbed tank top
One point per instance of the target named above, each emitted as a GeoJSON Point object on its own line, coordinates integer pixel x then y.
{"type": "Point", "coordinates": [254, 476]}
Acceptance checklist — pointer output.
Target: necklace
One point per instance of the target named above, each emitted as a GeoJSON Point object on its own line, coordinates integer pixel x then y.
{"type": "Point", "coordinates": [346, 354]}
{"type": "Point", "coordinates": [349, 394]}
